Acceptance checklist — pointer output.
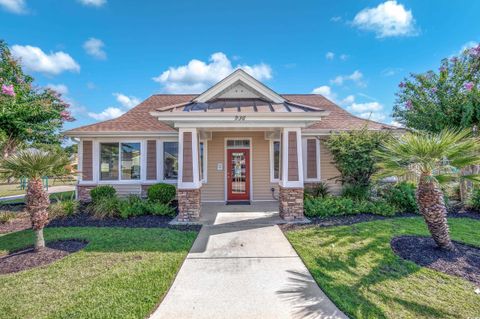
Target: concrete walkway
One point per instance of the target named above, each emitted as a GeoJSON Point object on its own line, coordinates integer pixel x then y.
{"type": "Point", "coordinates": [242, 266]}
{"type": "Point", "coordinates": [51, 190]}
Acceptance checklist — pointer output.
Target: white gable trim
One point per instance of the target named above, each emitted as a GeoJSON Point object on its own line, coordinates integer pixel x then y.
{"type": "Point", "coordinates": [239, 76]}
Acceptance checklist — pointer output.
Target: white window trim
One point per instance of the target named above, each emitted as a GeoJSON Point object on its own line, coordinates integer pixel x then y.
{"type": "Point", "coordinates": [272, 158]}
{"type": "Point", "coordinates": [160, 161]}
{"type": "Point", "coordinates": [304, 147]}
{"type": "Point", "coordinates": [205, 161]}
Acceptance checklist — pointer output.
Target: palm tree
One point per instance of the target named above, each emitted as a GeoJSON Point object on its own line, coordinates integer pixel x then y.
{"type": "Point", "coordinates": [434, 158]}
{"type": "Point", "coordinates": [33, 164]}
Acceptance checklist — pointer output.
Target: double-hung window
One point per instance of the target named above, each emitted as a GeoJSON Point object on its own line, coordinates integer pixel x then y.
{"type": "Point", "coordinates": [170, 161]}
{"type": "Point", "coordinates": [120, 161]}
{"type": "Point", "coordinates": [275, 161]}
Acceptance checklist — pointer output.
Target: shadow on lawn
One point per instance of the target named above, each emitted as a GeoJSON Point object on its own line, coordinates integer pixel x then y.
{"type": "Point", "coordinates": [353, 298]}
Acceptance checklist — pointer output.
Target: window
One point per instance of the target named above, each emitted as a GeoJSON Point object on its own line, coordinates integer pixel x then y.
{"type": "Point", "coordinates": [170, 160]}
{"type": "Point", "coordinates": [202, 153]}
{"type": "Point", "coordinates": [119, 157]}
{"type": "Point", "coordinates": [238, 143]}
{"type": "Point", "coordinates": [275, 161]}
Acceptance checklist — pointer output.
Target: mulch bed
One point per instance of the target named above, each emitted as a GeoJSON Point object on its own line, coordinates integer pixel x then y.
{"type": "Point", "coordinates": [147, 221]}
{"type": "Point", "coordinates": [463, 262]}
{"type": "Point", "coordinates": [28, 258]}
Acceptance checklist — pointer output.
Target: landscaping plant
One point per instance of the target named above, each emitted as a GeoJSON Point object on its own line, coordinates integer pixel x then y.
{"type": "Point", "coordinates": [103, 191]}
{"type": "Point", "coordinates": [340, 206]}
{"type": "Point", "coordinates": [162, 193]}
{"type": "Point", "coordinates": [402, 196]}
{"type": "Point", "coordinates": [33, 164]}
{"type": "Point", "coordinates": [434, 158]}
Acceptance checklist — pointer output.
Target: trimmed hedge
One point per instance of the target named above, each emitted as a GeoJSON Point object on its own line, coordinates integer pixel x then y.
{"type": "Point", "coordinates": [340, 206]}
{"type": "Point", "coordinates": [161, 193]}
{"type": "Point", "coordinates": [104, 191]}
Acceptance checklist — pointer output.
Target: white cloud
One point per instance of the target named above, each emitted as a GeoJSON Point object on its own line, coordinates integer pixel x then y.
{"type": "Point", "coordinates": [107, 114]}
{"type": "Point", "coordinates": [34, 59]}
{"type": "Point", "coordinates": [468, 45]}
{"type": "Point", "coordinates": [127, 101]}
{"type": "Point", "coordinates": [14, 6]}
{"type": "Point", "coordinates": [59, 88]}
{"type": "Point", "coordinates": [391, 71]}
{"type": "Point", "coordinates": [336, 19]}
{"type": "Point", "coordinates": [365, 107]}
{"type": "Point", "coordinates": [396, 123]}
{"type": "Point", "coordinates": [388, 19]}
{"type": "Point", "coordinates": [348, 100]}
{"type": "Point", "coordinates": [343, 57]}
{"type": "Point", "coordinates": [197, 76]}
{"type": "Point", "coordinates": [330, 55]}
{"type": "Point", "coordinates": [93, 3]}
{"type": "Point", "coordinates": [326, 91]}
{"type": "Point", "coordinates": [356, 77]}
{"type": "Point", "coordinates": [94, 47]}
{"type": "Point", "coordinates": [374, 116]}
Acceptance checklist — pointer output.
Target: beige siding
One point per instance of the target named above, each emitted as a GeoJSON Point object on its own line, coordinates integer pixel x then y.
{"type": "Point", "coordinates": [128, 189]}
{"type": "Point", "coordinates": [214, 189]}
{"type": "Point", "coordinates": [328, 169]}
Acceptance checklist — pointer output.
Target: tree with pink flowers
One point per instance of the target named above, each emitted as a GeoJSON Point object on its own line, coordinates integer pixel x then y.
{"type": "Point", "coordinates": [28, 114]}
{"type": "Point", "coordinates": [447, 98]}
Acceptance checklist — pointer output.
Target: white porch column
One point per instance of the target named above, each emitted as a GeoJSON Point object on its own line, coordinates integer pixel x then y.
{"type": "Point", "coordinates": [189, 183]}
{"type": "Point", "coordinates": [291, 181]}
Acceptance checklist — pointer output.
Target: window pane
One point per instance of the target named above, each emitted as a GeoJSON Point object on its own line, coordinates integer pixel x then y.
{"type": "Point", "coordinates": [130, 161]}
{"type": "Point", "coordinates": [276, 160]}
{"type": "Point", "coordinates": [170, 160]}
{"type": "Point", "coordinates": [238, 143]}
{"type": "Point", "coordinates": [201, 159]}
{"type": "Point", "coordinates": [108, 161]}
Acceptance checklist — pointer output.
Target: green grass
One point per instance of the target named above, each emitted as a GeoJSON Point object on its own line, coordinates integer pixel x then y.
{"type": "Point", "coordinates": [55, 196]}
{"type": "Point", "coordinates": [356, 268]}
{"type": "Point", "coordinates": [121, 273]}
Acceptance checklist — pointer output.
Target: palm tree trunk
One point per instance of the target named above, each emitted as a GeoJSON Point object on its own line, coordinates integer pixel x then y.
{"type": "Point", "coordinates": [37, 202]}
{"type": "Point", "coordinates": [432, 206]}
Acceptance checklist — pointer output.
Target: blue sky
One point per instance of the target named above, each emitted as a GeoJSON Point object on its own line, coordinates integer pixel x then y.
{"type": "Point", "coordinates": [107, 55]}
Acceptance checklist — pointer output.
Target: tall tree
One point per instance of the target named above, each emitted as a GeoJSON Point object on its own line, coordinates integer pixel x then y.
{"type": "Point", "coordinates": [449, 98]}
{"type": "Point", "coordinates": [27, 114]}
{"type": "Point", "coordinates": [434, 158]}
{"type": "Point", "coordinates": [34, 164]}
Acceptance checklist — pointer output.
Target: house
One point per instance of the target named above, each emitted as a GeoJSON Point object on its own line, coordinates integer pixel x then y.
{"type": "Point", "coordinates": [237, 142]}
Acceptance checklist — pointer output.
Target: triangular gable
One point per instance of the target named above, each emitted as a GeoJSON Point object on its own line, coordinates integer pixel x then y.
{"type": "Point", "coordinates": [239, 84]}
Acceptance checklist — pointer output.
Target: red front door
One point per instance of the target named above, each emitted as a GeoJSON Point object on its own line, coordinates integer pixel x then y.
{"type": "Point", "coordinates": [238, 174]}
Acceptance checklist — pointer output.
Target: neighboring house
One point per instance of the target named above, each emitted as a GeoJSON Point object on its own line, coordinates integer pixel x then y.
{"type": "Point", "coordinates": [239, 141]}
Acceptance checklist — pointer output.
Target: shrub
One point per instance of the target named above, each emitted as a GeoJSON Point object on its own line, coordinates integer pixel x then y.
{"type": "Point", "coordinates": [319, 190]}
{"type": "Point", "coordinates": [402, 196]}
{"type": "Point", "coordinates": [6, 217]}
{"type": "Point", "coordinates": [356, 192]}
{"type": "Point", "coordinates": [103, 191]}
{"type": "Point", "coordinates": [161, 193]}
{"type": "Point", "coordinates": [474, 201]}
{"type": "Point", "coordinates": [104, 207]}
{"type": "Point", "coordinates": [61, 209]}
{"type": "Point", "coordinates": [159, 209]}
{"type": "Point", "coordinates": [131, 206]}
{"type": "Point", "coordinates": [339, 206]}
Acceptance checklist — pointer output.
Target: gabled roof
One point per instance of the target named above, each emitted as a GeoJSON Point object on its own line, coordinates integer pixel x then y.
{"type": "Point", "coordinates": [139, 120]}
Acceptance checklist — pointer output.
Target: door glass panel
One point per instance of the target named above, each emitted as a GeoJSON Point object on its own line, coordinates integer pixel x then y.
{"type": "Point", "coordinates": [238, 171]}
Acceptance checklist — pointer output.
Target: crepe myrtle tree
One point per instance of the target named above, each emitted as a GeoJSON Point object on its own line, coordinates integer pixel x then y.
{"type": "Point", "coordinates": [34, 164]}
{"type": "Point", "coordinates": [448, 98]}
{"type": "Point", "coordinates": [435, 158]}
{"type": "Point", "coordinates": [27, 114]}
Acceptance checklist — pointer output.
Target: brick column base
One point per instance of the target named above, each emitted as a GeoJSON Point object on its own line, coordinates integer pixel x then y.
{"type": "Point", "coordinates": [188, 204]}
{"type": "Point", "coordinates": [291, 203]}
{"type": "Point", "coordinates": [84, 193]}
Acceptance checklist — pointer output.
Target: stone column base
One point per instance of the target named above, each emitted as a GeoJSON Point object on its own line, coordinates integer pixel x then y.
{"type": "Point", "coordinates": [83, 193]}
{"type": "Point", "coordinates": [291, 203]}
{"type": "Point", "coordinates": [188, 204]}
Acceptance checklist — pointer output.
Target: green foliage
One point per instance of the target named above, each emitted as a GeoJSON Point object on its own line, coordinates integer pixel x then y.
{"type": "Point", "coordinates": [449, 98]}
{"type": "Point", "coordinates": [61, 209]}
{"type": "Point", "coordinates": [6, 217]}
{"type": "Point", "coordinates": [103, 191]}
{"type": "Point", "coordinates": [29, 115]}
{"type": "Point", "coordinates": [402, 196]}
{"type": "Point", "coordinates": [104, 207]}
{"type": "Point", "coordinates": [34, 164]}
{"type": "Point", "coordinates": [318, 190]}
{"type": "Point", "coordinates": [162, 193]}
{"type": "Point", "coordinates": [131, 206]}
{"type": "Point", "coordinates": [353, 154]}
{"type": "Point", "coordinates": [437, 155]}
{"type": "Point", "coordinates": [474, 200]}
{"type": "Point", "coordinates": [356, 192]}
{"type": "Point", "coordinates": [159, 209]}
{"type": "Point", "coordinates": [340, 206]}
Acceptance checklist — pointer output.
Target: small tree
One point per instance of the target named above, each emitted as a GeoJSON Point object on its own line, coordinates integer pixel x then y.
{"type": "Point", "coordinates": [353, 155]}
{"type": "Point", "coordinates": [34, 164]}
{"type": "Point", "coordinates": [434, 158]}
{"type": "Point", "coordinates": [27, 114]}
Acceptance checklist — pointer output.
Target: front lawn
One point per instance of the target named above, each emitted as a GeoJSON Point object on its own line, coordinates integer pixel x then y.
{"type": "Point", "coordinates": [121, 273]}
{"type": "Point", "coordinates": [355, 266]}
